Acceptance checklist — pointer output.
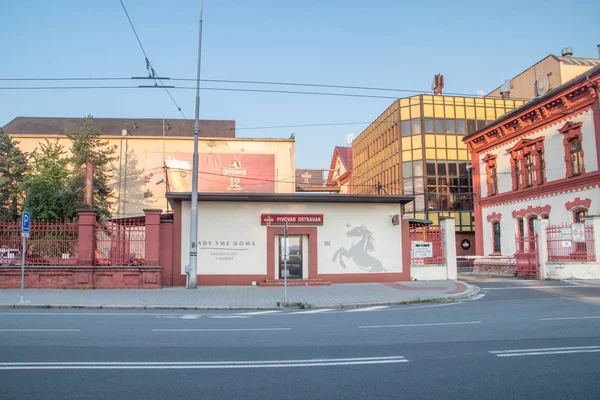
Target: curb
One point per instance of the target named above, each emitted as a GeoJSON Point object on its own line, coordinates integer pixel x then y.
{"type": "Point", "coordinates": [471, 291]}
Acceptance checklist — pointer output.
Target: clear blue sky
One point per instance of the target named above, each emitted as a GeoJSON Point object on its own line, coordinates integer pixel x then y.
{"type": "Point", "coordinates": [378, 43]}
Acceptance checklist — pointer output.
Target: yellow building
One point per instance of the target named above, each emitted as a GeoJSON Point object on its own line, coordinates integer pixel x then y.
{"type": "Point", "coordinates": [149, 164]}
{"type": "Point", "coordinates": [544, 76]}
{"type": "Point", "coordinates": [415, 148]}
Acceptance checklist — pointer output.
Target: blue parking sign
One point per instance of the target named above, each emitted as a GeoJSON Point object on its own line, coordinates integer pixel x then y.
{"type": "Point", "coordinates": [25, 222]}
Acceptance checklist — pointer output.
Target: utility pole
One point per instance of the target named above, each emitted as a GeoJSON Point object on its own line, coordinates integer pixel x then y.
{"type": "Point", "coordinates": [192, 268]}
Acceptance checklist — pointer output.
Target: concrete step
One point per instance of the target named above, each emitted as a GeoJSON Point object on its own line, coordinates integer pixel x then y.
{"type": "Point", "coordinates": [294, 282]}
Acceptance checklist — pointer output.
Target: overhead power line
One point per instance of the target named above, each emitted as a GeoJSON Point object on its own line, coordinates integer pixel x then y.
{"type": "Point", "coordinates": [250, 82]}
{"type": "Point", "coordinates": [151, 71]}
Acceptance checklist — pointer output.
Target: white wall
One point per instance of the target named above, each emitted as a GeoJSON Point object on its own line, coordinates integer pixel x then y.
{"type": "Point", "coordinates": [553, 151]}
{"type": "Point", "coordinates": [225, 223]}
{"type": "Point", "coordinates": [573, 271]}
{"type": "Point", "coordinates": [558, 215]}
{"type": "Point", "coordinates": [428, 272]}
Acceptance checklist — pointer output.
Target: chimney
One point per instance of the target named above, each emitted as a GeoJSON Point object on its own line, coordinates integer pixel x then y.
{"type": "Point", "coordinates": [438, 84]}
{"type": "Point", "coordinates": [598, 47]}
{"type": "Point", "coordinates": [567, 52]}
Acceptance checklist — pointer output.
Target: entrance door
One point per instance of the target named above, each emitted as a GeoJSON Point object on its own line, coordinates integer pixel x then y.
{"type": "Point", "coordinates": [294, 259]}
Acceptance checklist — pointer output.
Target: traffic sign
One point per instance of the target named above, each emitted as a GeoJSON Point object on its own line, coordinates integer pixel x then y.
{"type": "Point", "coordinates": [25, 222]}
{"type": "Point", "coordinates": [578, 232]}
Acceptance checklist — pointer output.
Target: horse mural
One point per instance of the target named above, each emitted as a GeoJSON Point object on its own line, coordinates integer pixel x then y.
{"type": "Point", "coordinates": [359, 251]}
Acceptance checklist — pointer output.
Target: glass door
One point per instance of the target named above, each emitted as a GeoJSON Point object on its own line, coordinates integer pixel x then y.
{"type": "Point", "coordinates": [294, 258]}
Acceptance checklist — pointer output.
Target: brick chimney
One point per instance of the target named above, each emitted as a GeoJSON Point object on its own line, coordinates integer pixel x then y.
{"type": "Point", "coordinates": [438, 84]}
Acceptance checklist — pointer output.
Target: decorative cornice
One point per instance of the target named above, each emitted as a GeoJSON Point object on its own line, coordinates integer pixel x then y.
{"type": "Point", "coordinates": [569, 126]}
{"type": "Point", "coordinates": [531, 210]}
{"type": "Point", "coordinates": [534, 117]}
{"type": "Point", "coordinates": [494, 217]}
{"type": "Point", "coordinates": [493, 201]}
{"type": "Point", "coordinates": [577, 202]}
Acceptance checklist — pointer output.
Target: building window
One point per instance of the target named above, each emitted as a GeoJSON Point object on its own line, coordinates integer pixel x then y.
{"type": "Point", "coordinates": [531, 234]}
{"type": "Point", "coordinates": [494, 181]}
{"type": "Point", "coordinates": [576, 156]}
{"type": "Point", "coordinates": [528, 163]}
{"type": "Point", "coordinates": [492, 174]}
{"type": "Point", "coordinates": [572, 142]}
{"type": "Point", "coordinates": [517, 174]}
{"type": "Point", "coordinates": [529, 170]}
{"type": "Point", "coordinates": [521, 234]}
{"type": "Point", "coordinates": [497, 237]}
{"type": "Point", "coordinates": [579, 215]}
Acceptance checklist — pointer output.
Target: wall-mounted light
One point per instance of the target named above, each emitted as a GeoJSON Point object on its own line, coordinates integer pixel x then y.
{"type": "Point", "coordinates": [160, 181]}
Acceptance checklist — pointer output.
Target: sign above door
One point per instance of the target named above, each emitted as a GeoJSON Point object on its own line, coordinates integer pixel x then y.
{"type": "Point", "coordinates": [291, 219]}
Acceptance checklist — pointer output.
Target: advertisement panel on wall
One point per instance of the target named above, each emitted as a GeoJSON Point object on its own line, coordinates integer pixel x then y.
{"type": "Point", "coordinates": [216, 172]}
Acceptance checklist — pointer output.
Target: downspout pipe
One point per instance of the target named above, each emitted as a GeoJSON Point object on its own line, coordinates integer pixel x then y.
{"type": "Point", "coordinates": [595, 85]}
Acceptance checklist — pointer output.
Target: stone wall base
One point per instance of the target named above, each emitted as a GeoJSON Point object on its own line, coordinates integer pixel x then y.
{"type": "Point", "coordinates": [82, 277]}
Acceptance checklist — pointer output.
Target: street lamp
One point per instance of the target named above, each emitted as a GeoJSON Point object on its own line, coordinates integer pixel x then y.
{"type": "Point", "coordinates": [192, 268]}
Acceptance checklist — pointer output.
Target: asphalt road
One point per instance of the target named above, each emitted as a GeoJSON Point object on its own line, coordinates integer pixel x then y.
{"type": "Point", "coordinates": [521, 340]}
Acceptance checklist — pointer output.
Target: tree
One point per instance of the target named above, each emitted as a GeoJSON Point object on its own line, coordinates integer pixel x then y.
{"type": "Point", "coordinates": [13, 166]}
{"type": "Point", "coordinates": [87, 145]}
{"type": "Point", "coordinates": [45, 186]}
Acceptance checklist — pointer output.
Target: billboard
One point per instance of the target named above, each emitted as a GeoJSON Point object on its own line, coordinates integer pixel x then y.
{"type": "Point", "coordinates": [309, 177]}
{"type": "Point", "coordinates": [217, 172]}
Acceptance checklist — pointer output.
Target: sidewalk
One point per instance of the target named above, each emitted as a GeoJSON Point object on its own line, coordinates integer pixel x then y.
{"type": "Point", "coordinates": [242, 297]}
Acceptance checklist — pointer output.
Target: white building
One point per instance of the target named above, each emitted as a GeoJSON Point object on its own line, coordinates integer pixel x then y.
{"type": "Point", "coordinates": [539, 161]}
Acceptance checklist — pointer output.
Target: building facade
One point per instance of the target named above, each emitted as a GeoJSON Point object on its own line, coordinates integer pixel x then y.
{"type": "Point", "coordinates": [330, 238]}
{"type": "Point", "coordinates": [340, 170]}
{"type": "Point", "coordinates": [415, 148]}
{"type": "Point", "coordinates": [154, 157]}
{"type": "Point", "coordinates": [539, 161]}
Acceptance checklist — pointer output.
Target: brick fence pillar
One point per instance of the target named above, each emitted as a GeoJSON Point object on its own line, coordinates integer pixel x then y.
{"type": "Point", "coordinates": [86, 237]}
{"type": "Point", "coordinates": [152, 247]}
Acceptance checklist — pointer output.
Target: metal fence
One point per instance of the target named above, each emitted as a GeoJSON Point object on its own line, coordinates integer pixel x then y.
{"type": "Point", "coordinates": [49, 243]}
{"type": "Point", "coordinates": [562, 248]}
{"type": "Point", "coordinates": [433, 234]}
{"type": "Point", "coordinates": [120, 242]}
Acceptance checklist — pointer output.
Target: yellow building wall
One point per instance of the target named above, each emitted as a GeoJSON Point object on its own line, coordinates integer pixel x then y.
{"type": "Point", "coordinates": [266, 165]}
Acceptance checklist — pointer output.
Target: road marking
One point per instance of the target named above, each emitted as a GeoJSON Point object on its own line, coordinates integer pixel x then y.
{"type": "Point", "coordinates": [416, 325]}
{"type": "Point", "coordinates": [228, 316]}
{"type": "Point", "coordinates": [476, 297]}
{"type": "Point", "coordinates": [320, 310]}
{"type": "Point", "coordinates": [203, 364]}
{"type": "Point", "coordinates": [368, 308]}
{"type": "Point", "coordinates": [261, 312]}
{"type": "Point", "coordinates": [558, 319]}
{"type": "Point", "coordinates": [546, 351]}
{"type": "Point", "coordinates": [222, 330]}
{"type": "Point", "coordinates": [538, 287]}
{"type": "Point", "coordinates": [40, 330]}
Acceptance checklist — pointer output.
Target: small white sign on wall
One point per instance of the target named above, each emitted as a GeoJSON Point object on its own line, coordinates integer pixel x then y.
{"type": "Point", "coordinates": [578, 233]}
{"type": "Point", "coordinates": [422, 249]}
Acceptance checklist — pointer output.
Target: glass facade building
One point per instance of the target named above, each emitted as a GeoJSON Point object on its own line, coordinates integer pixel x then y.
{"type": "Point", "coordinates": [415, 148]}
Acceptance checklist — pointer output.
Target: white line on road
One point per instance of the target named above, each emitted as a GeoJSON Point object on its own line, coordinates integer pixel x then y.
{"type": "Point", "coordinates": [546, 349]}
{"type": "Point", "coordinates": [417, 325]}
{"type": "Point", "coordinates": [228, 316]}
{"type": "Point", "coordinates": [260, 312]}
{"type": "Point", "coordinates": [368, 308]}
{"type": "Point", "coordinates": [222, 330]}
{"type": "Point", "coordinates": [320, 310]}
{"type": "Point", "coordinates": [539, 287]}
{"type": "Point", "coordinates": [476, 297]}
{"type": "Point", "coordinates": [203, 365]}
{"type": "Point", "coordinates": [40, 330]}
{"type": "Point", "coordinates": [558, 319]}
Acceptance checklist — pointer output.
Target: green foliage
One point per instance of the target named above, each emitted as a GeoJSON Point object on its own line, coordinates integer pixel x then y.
{"type": "Point", "coordinates": [13, 166]}
{"type": "Point", "coordinates": [46, 182]}
{"type": "Point", "coordinates": [87, 145]}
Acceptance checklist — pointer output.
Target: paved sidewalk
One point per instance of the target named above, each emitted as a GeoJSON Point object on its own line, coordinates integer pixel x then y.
{"type": "Point", "coordinates": [241, 297]}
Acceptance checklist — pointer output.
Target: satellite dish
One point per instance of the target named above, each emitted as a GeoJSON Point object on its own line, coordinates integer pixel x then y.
{"type": "Point", "coordinates": [542, 85]}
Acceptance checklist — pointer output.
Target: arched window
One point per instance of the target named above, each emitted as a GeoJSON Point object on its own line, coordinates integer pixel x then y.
{"type": "Point", "coordinates": [497, 236]}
